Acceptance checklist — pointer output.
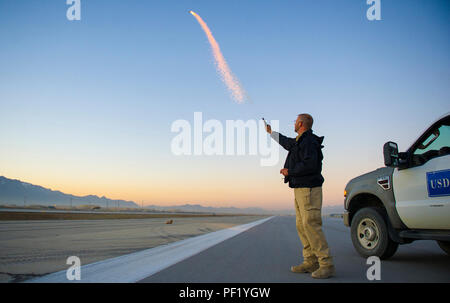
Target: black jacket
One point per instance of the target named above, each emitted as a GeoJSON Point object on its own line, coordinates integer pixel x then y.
{"type": "Point", "coordinates": [304, 160]}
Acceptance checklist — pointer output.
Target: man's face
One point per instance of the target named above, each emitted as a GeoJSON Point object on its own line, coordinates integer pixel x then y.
{"type": "Point", "coordinates": [298, 124]}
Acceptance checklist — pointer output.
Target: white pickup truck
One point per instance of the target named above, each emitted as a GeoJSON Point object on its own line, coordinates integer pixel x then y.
{"type": "Point", "coordinates": [407, 200]}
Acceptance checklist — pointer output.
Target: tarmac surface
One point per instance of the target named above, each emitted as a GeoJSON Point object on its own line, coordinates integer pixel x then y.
{"type": "Point", "coordinates": [265, 253]}
{"type": "Point", "coordinates": [228, 249]}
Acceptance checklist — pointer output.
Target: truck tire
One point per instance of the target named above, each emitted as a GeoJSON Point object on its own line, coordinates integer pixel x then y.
{"type": "Point", "coordinates": [445, 245]}
{"type": "Point", "coordinates": [370, 235]}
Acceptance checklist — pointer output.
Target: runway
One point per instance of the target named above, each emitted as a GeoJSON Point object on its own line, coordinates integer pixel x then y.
{"type": "Point", "coordinates": [259, 252]}
{"type": "Point", "coordinates": [266, 252]}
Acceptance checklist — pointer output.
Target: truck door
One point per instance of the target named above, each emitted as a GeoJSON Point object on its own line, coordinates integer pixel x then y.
{"type": "Point", "coordinates": [422, 191]}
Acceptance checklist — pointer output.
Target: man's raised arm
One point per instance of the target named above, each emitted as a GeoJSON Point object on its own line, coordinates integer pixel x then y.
{"type": "Point", "coordinates": [284, 141]}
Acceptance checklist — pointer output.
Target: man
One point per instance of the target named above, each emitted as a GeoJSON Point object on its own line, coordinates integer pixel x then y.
{"type": "Point", "coordinates": [302, 170]}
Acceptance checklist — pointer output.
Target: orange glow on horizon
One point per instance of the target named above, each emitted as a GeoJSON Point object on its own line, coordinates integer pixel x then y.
{"type": "Point", "coordinates": [241, 195]}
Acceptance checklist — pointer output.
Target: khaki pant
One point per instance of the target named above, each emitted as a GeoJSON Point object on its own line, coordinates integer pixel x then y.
{"type": "Point", "coordinates": [308, 208]}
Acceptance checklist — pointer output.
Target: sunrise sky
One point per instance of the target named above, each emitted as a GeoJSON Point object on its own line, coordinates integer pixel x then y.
{"type": "Point", "coordinates": [86, 107]}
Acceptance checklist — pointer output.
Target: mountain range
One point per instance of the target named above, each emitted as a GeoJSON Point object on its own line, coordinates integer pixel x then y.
{"type": "Point", "coordinates": [16, 192]}
{"type": "Point", "coordinates": [25, 194]}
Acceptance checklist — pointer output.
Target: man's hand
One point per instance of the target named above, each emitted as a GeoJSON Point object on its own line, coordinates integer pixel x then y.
{"type": "Point", "coordinates": [284, 172]}
{"type": "Point", "coordinates": [268, 129]}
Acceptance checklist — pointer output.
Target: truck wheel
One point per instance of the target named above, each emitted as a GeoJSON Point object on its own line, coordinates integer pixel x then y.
{"type": "Point", "coordinates": [370, 235]}
{"type": "Point", "coordinates": [445, 245]}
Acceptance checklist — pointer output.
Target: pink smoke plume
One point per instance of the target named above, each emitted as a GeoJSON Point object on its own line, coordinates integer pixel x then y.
{"type": "Point", "coordinates": [237, 92]}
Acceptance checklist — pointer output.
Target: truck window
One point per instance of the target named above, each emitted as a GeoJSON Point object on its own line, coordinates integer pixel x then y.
{"type": "Point", "coordinates": [435, 145]}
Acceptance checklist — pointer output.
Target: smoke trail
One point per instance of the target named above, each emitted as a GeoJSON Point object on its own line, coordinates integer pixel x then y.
{"type": "Point", "coordinates": [237, 92]}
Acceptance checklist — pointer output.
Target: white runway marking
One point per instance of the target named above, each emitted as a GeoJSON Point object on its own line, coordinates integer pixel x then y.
{"type": "Point", "coordinates": [139, 265]}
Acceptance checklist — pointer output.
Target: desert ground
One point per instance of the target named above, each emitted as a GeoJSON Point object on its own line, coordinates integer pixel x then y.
{"type": "Point", "coordinates": [30, 248]}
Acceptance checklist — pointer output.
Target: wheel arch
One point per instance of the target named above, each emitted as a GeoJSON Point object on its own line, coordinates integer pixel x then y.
{"type": "Point", "coordinates": [367, 199]}
{"type": "Point", "coordinates": [362, 200]}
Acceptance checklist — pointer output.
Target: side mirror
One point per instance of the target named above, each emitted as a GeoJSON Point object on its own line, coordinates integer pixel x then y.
{"type": "Point", "coordinates": [390, 152]}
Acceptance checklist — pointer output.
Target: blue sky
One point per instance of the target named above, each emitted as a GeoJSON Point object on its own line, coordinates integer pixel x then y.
{"type": "Point", "coordinates": [86, 106]}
